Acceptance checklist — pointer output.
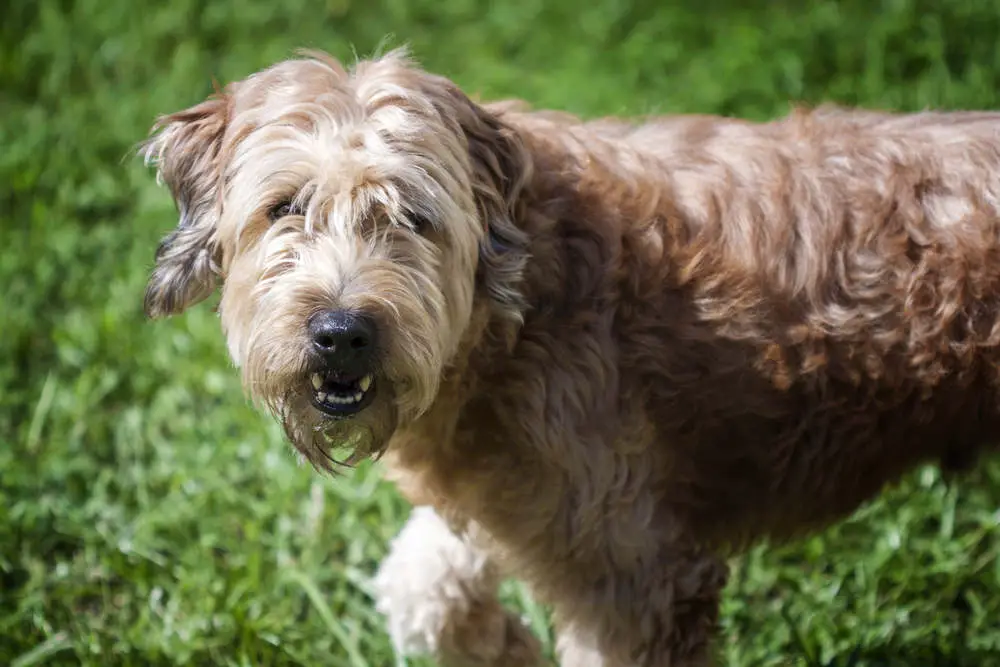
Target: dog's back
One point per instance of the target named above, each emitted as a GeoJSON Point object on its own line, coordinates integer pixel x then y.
{"type": "Point", "coordinates": [832, 315]}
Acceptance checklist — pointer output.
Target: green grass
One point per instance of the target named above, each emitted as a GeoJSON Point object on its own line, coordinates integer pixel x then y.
{"type": "Point", "coordinates": [148, 516]}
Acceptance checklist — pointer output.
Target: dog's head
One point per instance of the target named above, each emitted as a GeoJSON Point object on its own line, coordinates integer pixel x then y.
{"type": "Point", "coordinates": [354, 220]}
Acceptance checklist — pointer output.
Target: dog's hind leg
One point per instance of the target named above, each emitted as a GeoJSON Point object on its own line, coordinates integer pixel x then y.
{"type": "Point", "coordinates": [439, 594]}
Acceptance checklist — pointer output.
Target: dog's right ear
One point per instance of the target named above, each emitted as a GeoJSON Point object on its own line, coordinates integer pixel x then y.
{"type": "Point", "coordinates": [185, 148]}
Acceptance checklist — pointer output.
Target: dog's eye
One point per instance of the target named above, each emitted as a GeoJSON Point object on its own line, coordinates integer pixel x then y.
{"type": "Point", "coordinates": [421, 224]}
{"type": "Point", "coordinates": [283, 209]}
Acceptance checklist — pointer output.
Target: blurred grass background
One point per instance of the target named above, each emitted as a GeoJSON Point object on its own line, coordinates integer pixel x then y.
{"type": "Point", "coordinates": [149, 517]}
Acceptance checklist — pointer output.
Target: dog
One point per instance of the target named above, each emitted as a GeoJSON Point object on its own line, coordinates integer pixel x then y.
{"type": "Point", "coordinates": [601, 356]}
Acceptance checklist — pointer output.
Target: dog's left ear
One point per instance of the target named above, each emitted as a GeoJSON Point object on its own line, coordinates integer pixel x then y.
{"type": "Point", "coordinates": [186, 149]}
{"type": "Point", "coordinates": [501, 167]}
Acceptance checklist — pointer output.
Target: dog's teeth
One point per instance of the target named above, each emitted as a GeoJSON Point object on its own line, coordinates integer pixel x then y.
{"type": "Point", "coordinates": [341, 396]}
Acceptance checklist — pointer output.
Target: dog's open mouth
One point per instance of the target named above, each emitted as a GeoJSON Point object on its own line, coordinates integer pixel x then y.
{"type": "Point", "coordinates": [337, 395]}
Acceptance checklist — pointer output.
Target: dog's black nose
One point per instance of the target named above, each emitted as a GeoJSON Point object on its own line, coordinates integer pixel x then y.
{"type": "Point", "coordinates": [346, 341]}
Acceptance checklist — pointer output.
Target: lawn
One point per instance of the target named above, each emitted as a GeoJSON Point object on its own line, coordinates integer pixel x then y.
{"type": "Point", "coordinates": [148, 516]}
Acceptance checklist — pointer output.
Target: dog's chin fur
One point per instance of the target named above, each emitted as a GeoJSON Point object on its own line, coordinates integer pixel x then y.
{"type": "Point", "coordinates": [330, 442]}
{"type": "Point", "coordinates": [609, 353]}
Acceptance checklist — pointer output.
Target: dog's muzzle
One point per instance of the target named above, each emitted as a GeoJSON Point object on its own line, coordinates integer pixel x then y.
{"type": "Point", "coordinates": [344, 344]}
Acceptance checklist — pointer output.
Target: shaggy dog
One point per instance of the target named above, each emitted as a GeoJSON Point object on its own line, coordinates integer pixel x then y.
{"type": "Point", "coordinates": [600, 356]}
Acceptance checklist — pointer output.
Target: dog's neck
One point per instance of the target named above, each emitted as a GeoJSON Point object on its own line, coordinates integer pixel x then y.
{"type": "Point", "coordinates": [579, 209]}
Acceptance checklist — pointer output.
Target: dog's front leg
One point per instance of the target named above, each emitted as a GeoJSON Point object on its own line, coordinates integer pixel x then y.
{"type": "Point", "coordinates": [661, 613]}
{"type": "Point", "coordinates": [438, 591]}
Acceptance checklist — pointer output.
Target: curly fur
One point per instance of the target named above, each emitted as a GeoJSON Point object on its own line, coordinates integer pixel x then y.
{"type": "Point", "coordinates": [623, 352]}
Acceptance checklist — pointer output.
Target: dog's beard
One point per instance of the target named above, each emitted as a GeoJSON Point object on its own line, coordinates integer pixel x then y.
{"type": "Point", "coordinates": [329, 442]}
{"type": "Point", "coordinates": [401, 395]}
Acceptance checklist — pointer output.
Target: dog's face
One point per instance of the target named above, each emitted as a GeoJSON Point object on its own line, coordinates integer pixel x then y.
{"type": "Point", "coordinates": [354, 219]}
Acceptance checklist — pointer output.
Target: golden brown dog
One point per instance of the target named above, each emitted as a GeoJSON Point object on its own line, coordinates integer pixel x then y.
{"type": "Point", "coordinates": [601, 356]}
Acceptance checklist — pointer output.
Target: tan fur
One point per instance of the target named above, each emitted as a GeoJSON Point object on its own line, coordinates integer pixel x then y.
{"type": "Point", "coordinates": [620, 352]}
